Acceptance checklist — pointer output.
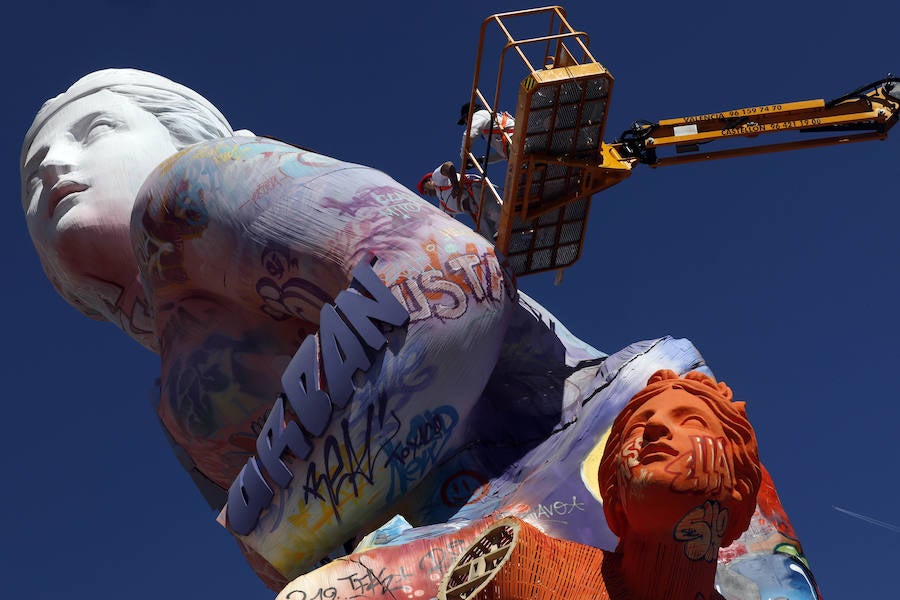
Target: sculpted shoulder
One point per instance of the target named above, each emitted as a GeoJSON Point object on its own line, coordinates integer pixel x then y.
{"type": "Point", "coordinates": [198, 206]}
{"type": "Point", "coordinates": [255, 165]}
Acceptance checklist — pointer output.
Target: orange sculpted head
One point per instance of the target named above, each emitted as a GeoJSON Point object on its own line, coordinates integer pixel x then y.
{"type": "Point", "coordinates": [677, 443]}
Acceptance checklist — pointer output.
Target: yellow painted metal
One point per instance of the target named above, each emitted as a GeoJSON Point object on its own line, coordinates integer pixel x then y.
{"type": "Point", "coordinates": [876, 109]}
{"type": "Point", "coordinates": [746, 112]}
{"type": "Point", "coordinates": [754, 128]}
{"type": "Point", "coordinates": [558, 160]}
{"type": "Point", "coordinates": [770, 148]}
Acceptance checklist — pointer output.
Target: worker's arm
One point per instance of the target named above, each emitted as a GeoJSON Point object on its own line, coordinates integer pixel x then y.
{"type": "Point", "coordinates": [466, 201]}
{"type": "Point", "coordinates": [448, 170]}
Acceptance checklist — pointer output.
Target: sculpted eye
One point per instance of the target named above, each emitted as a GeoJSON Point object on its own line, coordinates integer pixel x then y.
{"type": "Point", "coordinates": [99, 127]}
{"type": "Point", "coordinates": [695, 421]}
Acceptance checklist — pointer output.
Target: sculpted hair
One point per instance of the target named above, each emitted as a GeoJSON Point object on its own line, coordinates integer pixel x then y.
{"type": "Point", "coordinates": [733, 416]}
{"type": "Point", "coordinates": [188, 121]}
{"type": "Point", "coordinates": [188, 116]}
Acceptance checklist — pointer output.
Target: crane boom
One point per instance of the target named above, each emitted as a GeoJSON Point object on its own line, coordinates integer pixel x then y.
{"type": "Point", "coordinates": [865, 114]}
{"type": "Point", "coordinates": [557, 159]}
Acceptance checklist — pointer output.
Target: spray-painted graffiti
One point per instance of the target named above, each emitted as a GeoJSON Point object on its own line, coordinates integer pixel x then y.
{"type": "Point", "coordinates": [268, 186]}
{"type": "Point", "coordinates": [200, 387]}
{"type": "Point", "coordinates": [329, 593]}
{"type": "Point", "coordinates": [630, 458]}
{"type": "Point", "coordinates": [293, 297]}
{"type": "Point", "coordinates": [460, 489]}
{"type": "Point", "coordinates": [390, 201]}
{"type": "Point", "coordinates": [415, 294]}
{"type": "Point", "coordinates": [444, 291]}
{"type": "Point", "coordinates": [438, 559]}
{"type": "Point", "coordinates": [342, 355]}
{"type": "Point", "coordinates": [556, 510]}
{"type": "Point", "coordinates": [125, 306]}
{"type": "Point", "coordinates": [386, 572]}
{"type": "Point", "coordinates": [706, 468]}
{"type": "Point", "coordinates": [368, 583]}
{"type": "Point", "coordinates": [387, 200]}
{"type": "Point", "coordinates": [701, 530]}
{"type": "Point", "coordinates": [346, 468]}
{"type": "Point", "coordinates": [277, 261]}
{"type": "Point", "coordinates": [411, 457]}
{"type": "Point", "coordinates": [482, 274]}
{"type": "Point", "coordinates": [376, 582]}
{"type": "Point", "coordinates": [349, 466]}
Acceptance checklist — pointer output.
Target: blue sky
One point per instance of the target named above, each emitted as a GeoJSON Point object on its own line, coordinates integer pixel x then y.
{"type": "Point", "coordinates": [780, 268]}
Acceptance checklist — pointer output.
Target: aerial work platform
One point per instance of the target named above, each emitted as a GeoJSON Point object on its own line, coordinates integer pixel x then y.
{"type": "Point", "coordinates": [557, 159]}
{"type": "Point", "coordinates": [552, 168]}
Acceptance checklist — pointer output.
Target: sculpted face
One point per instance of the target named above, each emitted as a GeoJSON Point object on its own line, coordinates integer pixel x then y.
{"type": "Point", "coordinates": [80, 177]}
{"type": "Point", "coordinates": [674, 451]}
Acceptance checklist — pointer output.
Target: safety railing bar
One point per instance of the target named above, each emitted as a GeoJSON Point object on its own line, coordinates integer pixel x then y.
{"type": "Point", "coordinates": [557, 10]}
{"type": "Point", "coordinates": [550, 32]}
{"type": "Point", "coordinates": [512, 42]}
{"type": "Point", "coordinates": [556, 36]}
{"type": "Point", "coordinates": [466, 140]}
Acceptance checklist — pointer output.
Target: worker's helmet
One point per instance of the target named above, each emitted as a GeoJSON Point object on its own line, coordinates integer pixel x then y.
{"type": "Point", "coordinates": [464, 112]}
{"type": "Point", "coordinates": [421, 185]}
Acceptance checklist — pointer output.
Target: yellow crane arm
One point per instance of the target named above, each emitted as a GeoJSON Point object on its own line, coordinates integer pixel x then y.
{"type": "Point", "coordinates": [864, 114]}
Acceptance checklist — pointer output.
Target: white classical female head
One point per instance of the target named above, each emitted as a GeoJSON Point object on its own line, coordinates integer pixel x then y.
{"type": "Point", "coordinates": [83, 161]}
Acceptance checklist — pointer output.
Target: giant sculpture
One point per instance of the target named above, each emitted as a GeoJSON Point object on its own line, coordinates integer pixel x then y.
{"type": "Point", "coordinates": [230, 254]}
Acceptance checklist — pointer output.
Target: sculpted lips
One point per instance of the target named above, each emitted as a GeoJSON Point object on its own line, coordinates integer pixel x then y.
{"type": "Point", "coordinates": [655, 451]}
{"type": "Point", "coordinates": [62, 189]}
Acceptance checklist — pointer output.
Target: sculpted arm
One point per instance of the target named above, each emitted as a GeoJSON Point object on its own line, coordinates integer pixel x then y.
{"type": "Point", "coordinates": [241, 244]}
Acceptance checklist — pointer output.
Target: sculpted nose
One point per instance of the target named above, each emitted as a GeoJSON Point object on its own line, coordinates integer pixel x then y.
{"type": "Point", "coordinates": [60, 159]}
{"type": "Point", "coordinates": [655, 430]}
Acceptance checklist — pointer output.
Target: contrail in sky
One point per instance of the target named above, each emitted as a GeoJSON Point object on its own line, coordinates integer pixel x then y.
{"type": "Point", "coordinates": [867, 519]}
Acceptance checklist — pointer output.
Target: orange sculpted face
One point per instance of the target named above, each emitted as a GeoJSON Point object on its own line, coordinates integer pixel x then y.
{"type": "Point", "coordinates": [675, 438]}
{"type": "Point", "coordinates": [673, 445]}
{"type": "Point", "coordinates": [681, 452]}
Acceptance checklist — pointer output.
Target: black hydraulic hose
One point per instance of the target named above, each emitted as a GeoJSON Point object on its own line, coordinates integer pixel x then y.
{"type": "Point", "coordinates": [633, 138]}
{"type": "Point", "coordinates": [858, 92]}
{"type": "Point", "coordinates": [490, 139]}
